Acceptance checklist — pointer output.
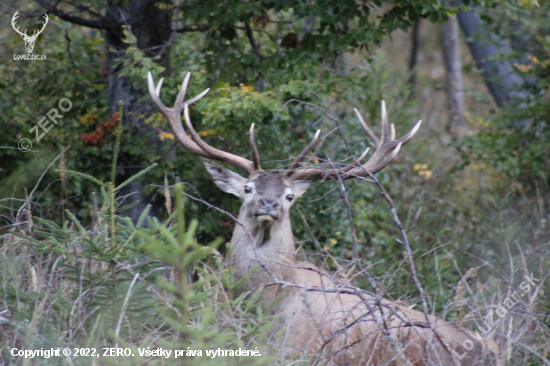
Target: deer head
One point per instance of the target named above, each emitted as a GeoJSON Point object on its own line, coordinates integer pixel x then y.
{"type": "Point", "coordinates": [266, 199]}
{"type": "Point", "coordinates": [29, 40]}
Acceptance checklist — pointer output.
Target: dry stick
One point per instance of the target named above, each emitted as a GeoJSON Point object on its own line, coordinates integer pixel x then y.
{"type": "Point", "coordinates": [438, 274]}
{"type": "Point", "coordinates": [318, 246]}
{"type": "Point", "coordinates": [342, 288]}
{"type": "Point", "coordinates": [308, 229]}
{"type": "Point", "coordinates": [62, 176]}
{"type": "Point", "coordinates": [92, 232]}
{"type": "Point", "coordinates": [76, 308]}
{"type": "Point", "coordinates": [344, 195]}
{"type": "Point", "coordinates": [398, 351]}
{"type": "Point", "coordinates": [124, 306]}
{"type": "Point", "coordinates": [315, 106]}
{"type": "Point", "coordinates": [346, 289]}
{"type": "Point", "coordinates": [113, 169]}
{"type": "Point", "coordinates": [174, 30]}
{"type": "Point", "coordinates": [455, 264]}
{"type": "Point", "coordinates": [79, 281]}
{"type": "Point", "coordinates": [410, 259]}
{"type": "Point", "coordinates": [37, 183]}
{"type": "Point", "coordinates": [327, 314]}
{"type": "Point", "coordinates": [405, 240]}
{"type": "Point", "coordinates": [252, 41]}
{"type": "Point", "coordinates": [395, 217]}
{"type": "Point", "coordinates": [342, 189]}
{"type": "Point", "coordinates": [219, 280]}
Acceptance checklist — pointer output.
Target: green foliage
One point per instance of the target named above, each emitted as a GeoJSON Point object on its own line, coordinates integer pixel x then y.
{"type": "Point", "coordinates": [135, 64]}
{"type": "Point", "coordinates": [326, 28]}
{"type": "Point", "coordinates": [223, 56]}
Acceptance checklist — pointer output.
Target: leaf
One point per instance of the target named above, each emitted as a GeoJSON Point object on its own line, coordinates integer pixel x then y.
{"type": "Point", "coordinates": [163, 135]}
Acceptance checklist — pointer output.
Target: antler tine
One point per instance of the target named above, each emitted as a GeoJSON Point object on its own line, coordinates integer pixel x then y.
{"type": "Point", "coordinates": [393, 154]}
{"type": "Point", "coordinates": [181, 94]}
{"type": "Point", "coordinates": [214, 153]}
{"type": "Point", "coordinates": [363, 155]}
{"type": "Point", "coordinates": [13, 20]}
{"type": "Point", "coordinates": [197, 98]}
{"type": "Point", "coordinates": [366, 128]}
{"type": "Point", "coordinates": [410, 135]}
{"type": "Point", "coordinates": [385, 135]}
{"type": "Point", "coordinates": [183, 90]}
{"type": "Point", "coordinates": [254, 149]}
{"type": "Point", "coordinates": [300, 158]}
{"type": "Point", "coordinates": [43, 24]}
{"type": "Point", "coordinates": [157, 89]}
{"type": "Point", "coordinates": [155, 95]}
{"type": "Point", "coordinates": [386, 150]}
{"type": "Point", "coordinates": [355, 163]}
{"type": "Point", "coordinates": [37, 32]}
{"type": "Point", "coordinates": [196, 145]}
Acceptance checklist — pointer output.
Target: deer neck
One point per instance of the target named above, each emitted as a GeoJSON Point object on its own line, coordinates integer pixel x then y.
{"type": "Point", "coordinates": [268, 245]}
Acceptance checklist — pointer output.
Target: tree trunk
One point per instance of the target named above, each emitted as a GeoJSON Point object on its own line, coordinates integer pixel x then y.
{"type": "Point", "coordinates": [413, 59]}
{"type": "Point", "coordinates": [504, 84]}
{"type": "Point", "coordinates": [340, 66]}
{"type": "Point", "coordinates": [453, 75]}
{"type": "Point", "coordinates": [150, 21]}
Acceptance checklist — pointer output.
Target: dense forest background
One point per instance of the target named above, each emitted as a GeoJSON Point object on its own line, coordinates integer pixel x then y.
{"type": "Point", "coordinates": [87, 248]}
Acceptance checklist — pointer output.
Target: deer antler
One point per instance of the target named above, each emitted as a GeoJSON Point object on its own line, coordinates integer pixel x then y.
{"type": "Point", "coordinates": [387, 148]}
{"type": "Point", "coordinates": [36, 33]}
{"type": "Point", "coordinates": [300, 158]}
{"type": "Point", "coordinates": [195, 144]}
{"type": "Point", "coordinates": [254, 148]}
{"type": "Point", "coordinates": [13, 19]}
{"type": "Point", "coordinates": [24, 34]}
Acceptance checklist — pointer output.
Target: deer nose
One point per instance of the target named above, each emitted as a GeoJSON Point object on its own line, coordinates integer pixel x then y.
{"type": "Point", "coordinates": [267, 206]}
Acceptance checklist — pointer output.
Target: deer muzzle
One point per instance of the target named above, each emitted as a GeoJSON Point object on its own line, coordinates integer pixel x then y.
{"type": "Point", "coordinates": [267, 209]}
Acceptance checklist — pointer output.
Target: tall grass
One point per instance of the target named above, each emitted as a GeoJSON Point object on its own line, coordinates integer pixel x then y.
{"type": "Point", "coordinates": [73, 287]}
{"type": "Point", "coordinates": [153, 286]}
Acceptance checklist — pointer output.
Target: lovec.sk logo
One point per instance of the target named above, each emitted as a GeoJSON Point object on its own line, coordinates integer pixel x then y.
{"type": "Point", "coordinates": [29, 40]}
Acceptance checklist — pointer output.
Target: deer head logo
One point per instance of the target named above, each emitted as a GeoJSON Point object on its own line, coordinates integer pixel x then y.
{"type": "Point", "coordinates": [29, 40]}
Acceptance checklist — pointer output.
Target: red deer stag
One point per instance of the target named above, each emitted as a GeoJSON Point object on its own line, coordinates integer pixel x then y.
{"type": "Point", "coordinates": [324, 321]}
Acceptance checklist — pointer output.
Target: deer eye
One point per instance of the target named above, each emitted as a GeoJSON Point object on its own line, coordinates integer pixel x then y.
{"type": "Point", "coordinates": [247, 189]}
{"type": "Point", "coordinates": [290, 197]}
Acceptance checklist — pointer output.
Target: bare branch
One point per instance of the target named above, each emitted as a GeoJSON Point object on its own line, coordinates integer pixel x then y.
{"type": "Point", "coordinates": [94, 24]}
{"type": "Point", "coordinates": [252, 41]}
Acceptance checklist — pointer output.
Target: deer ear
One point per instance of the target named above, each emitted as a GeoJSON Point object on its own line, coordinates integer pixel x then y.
{"type": "Point", "coordinates": [300, 187]}
{"type": "Point", "coordinates": [225, 179]}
